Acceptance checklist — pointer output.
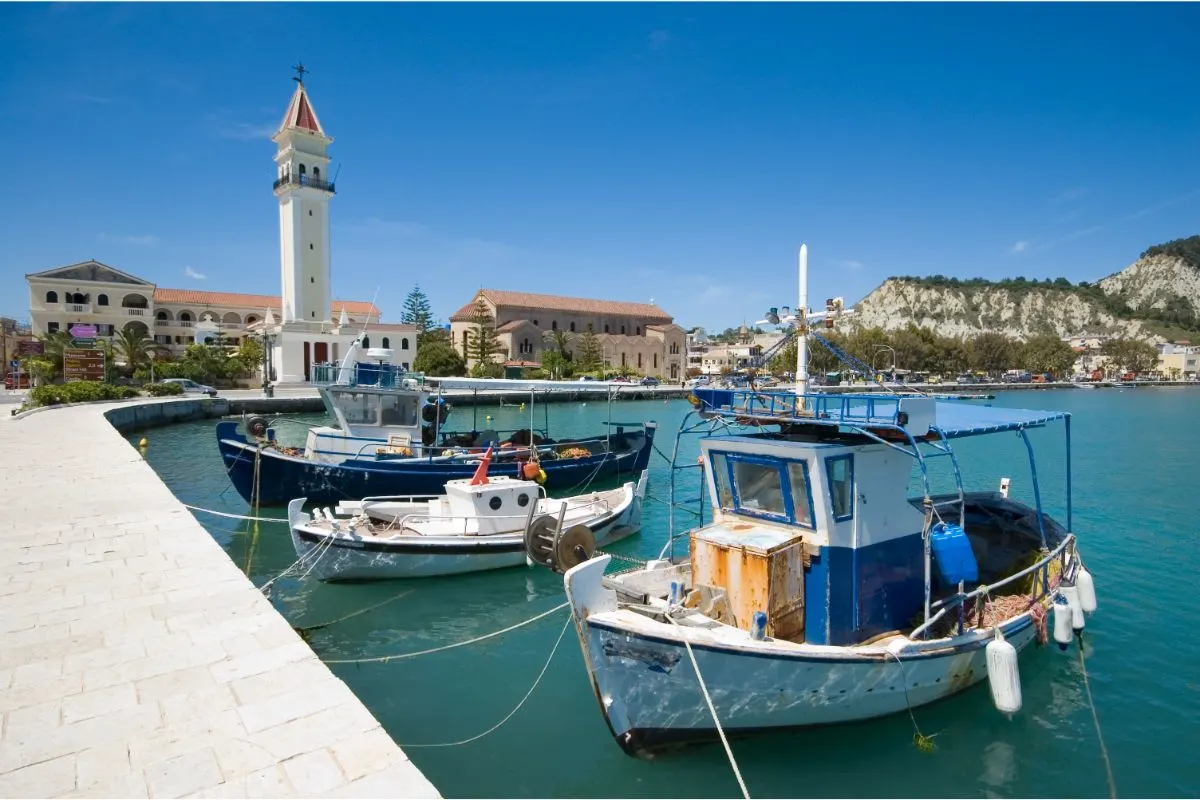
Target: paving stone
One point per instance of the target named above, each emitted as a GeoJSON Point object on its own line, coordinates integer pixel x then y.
{"type": "Point", "coordinates": [366, 752]}
{"type": "Point", "coordinates": [400, 780]}
{"type": "Point", "coordinates": [99, 702]}
{"type": "Point", "coordinates": [104, 764]}
{"type": "Point", "coordinates": [45, 779]}
{"type": "Point", "coordinates": [317, 772]}
{"type": "Point", "coordinates": [184, 775]}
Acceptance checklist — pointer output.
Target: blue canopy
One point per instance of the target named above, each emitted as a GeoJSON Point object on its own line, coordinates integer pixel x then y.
{"type": "Point", "coordinates": [956, 420]}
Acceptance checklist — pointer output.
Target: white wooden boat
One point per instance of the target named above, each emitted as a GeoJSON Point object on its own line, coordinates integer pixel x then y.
{"type": "Point", "coordinates": [473, 527]}
{"type": "Point", "coordinates": [820, 592]}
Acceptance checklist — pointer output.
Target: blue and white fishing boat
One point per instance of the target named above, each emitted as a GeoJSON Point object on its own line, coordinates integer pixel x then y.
{"type": "Point", "coordinates": [820, 592]}
{"type": "Point", "coordinates": [388, 438]}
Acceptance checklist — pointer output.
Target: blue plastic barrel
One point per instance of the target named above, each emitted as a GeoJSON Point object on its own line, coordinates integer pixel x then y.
{"type": "Point", "coordinates": [953, 554]}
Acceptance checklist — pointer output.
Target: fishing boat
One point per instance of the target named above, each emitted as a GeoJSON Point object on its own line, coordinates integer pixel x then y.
{"type": "Point", "coordinates": [819, 592]}
{"type": "Point", "coordinates": [388, 437]}
{"type": "Point", "coordinates": [478, 524]}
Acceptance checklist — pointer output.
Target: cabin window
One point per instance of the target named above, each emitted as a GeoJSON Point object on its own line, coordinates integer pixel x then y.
{"type": "Point", "coordinates": [720, 471]}
{"type": "Point", "coordinates": [802, 510]}
{"type": "Point", "coordinates": [840, 472]}
{"type": "Point", "coordinates": [398, 410]}
{"type": "Point", "coordinates": [759, 488]}
{"type": "Point", "coordinates": [522, 500]}
{"type": "Point", "coordinates": [356, 408]}
{"type": "Point", "coordinates": [495, 503]}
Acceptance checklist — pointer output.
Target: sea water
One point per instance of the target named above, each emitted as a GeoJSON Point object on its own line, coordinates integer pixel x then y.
{"type": "Point", "coordinates": [1136, 476]}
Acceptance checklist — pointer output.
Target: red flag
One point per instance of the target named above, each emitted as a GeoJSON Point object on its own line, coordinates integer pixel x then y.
{"type": "Point", "coordinates": [480, 476]}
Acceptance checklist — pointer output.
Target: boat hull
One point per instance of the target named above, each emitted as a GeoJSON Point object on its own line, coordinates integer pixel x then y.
{"type": "Point", "coordinates": [649, 694]}
{"type": "Point", "coordinates": [359, 559]}
{"type": "Point", "coordinates": [281, 477]}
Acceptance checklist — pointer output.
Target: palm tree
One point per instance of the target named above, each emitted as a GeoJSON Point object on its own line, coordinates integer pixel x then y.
{"type": "Point", "coordinates": [557, 341]}
{"type": "Point", "coordinates": [53, 346]}
{"type": "Point", "coordinates": [135, 347]}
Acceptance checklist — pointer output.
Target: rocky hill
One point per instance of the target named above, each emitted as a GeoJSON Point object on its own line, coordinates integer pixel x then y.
{"type": "Point", "coordinates": [1154, 299]}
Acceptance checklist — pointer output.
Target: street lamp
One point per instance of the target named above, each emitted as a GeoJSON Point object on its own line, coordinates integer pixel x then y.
{"type": "Point", "coordinates": [879, 348]}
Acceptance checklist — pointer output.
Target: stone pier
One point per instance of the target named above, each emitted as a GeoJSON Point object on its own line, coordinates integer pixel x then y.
{"type": "Point", "coordinates": [136, 660]}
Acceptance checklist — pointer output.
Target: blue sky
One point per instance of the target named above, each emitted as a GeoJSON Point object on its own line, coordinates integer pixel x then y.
{"type": "Point", "coordinates": [669, 151]}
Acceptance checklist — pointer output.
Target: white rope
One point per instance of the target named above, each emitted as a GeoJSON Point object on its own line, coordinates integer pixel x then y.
{"type": "Point", "coordinates": [234, 516]}
{"type": "Point", "coordinates": [316, 551]}
{"type": "Point", "coordinates": [328, 545]}
{"type": "Point", "coordinates": [1112, 783]}
{"type": "Point", "coordinates": [512, 713]}
{"type": "Point", "coordinates": [401, 656]}
{"type": "Point", "coordinates": [737, 773]}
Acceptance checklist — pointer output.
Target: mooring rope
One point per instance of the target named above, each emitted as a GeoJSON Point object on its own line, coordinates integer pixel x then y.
{"type": "Point", "coordinates": [924, 743]}
{"type": "Point", "coordinates": [401, 656]}
{"type": "Point", "coordinates": [1112, 783]}
{"type": "Point", "coordinates": [306, 629]}
{"type": "Point", "coordinates": [737, 773]}
{"type": "Point", "coordinates": [317, 551]}
{"type": "Point", "coordinates": [226, 514]}
{"type": "Point", "coordinates": [512, 713]}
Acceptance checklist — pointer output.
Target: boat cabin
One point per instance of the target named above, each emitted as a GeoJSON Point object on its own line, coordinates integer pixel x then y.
{"type": "Point", "coordinates": [818, 535]}
{"type": "Point", "coordinates": [380, 420]}
{"type": "Point", "coordinates": [498, 506]}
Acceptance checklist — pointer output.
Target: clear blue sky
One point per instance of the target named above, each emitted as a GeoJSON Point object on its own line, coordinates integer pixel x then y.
{"type": "Point", "coordinates": [673, 151]}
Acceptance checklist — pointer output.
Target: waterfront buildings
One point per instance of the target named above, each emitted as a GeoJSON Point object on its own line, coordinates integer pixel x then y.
{"type": "Point", "coordinates": [637, 335]}
{"type": "Point", "coordinates": [1179, 360]}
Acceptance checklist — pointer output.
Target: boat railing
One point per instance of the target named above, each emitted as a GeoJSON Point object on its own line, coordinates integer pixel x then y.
{"type": "Point", "coordinates": [830, 409]}
{"type": "Point", "coordinates": [401, 522]}
{"type": "Point", "coordinates": [383, 376]}
{"type": "Point", "coordinates": [954, 601]}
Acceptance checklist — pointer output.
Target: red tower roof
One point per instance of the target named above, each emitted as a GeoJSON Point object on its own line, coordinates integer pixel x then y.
{"type": "Point", "coordinates": [300, 113]}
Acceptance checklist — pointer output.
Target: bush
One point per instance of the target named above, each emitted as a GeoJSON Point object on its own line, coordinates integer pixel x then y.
{"type": "Point", "coordinates": [77, 392]}
{"type": "Point", "coordinates": [162, 389]}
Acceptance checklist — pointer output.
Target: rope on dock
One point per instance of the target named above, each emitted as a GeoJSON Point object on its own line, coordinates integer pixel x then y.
{"type": "Point", "coordinates": [401, 656]}
{"type": "Point", "coordinates": [737, 773]}
{"type": "Point", "coordinates": [512, 713]}
{"type": "Point", "coordinates": [1112, 783]}
{"type": "Point", "coordinates": [226, 514]}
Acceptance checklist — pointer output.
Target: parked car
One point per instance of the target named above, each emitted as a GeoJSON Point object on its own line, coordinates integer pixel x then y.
{"type": "Point", "coordinates": [586, 378]}
{"type": "Point", "coordinates": [700, 380]}
{"type": "Point", "coordinates": [191, 387]}
{"type": "Point", "coordinates": [650, 381]}
{"type": "Point", "coordinates": [965, 378]}
{"type": "Point", "coordinates": [14, 381]}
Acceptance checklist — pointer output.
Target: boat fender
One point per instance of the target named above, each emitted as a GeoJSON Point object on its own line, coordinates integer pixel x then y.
{"type": "Point", "coordinates": [1062, 623]}
{"type": "Point", "coordinates": [1004, 676]}
{"type": "Point", "coordinates": [257, 427]}
{"type": "Point", "coordinates": [1071, 593]}
{"type": "Point", "coordinates": [673, 597]}
{"type": "Point", "coordinates": [758, 626]}
{"type": "Point", "coordinates": [1086, 587]}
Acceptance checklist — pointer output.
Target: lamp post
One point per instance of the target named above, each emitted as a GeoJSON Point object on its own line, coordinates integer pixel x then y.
{"type": "Point", "coordinates": [268, 389]}
{"type": "Point", "coordinates": [879, 348]}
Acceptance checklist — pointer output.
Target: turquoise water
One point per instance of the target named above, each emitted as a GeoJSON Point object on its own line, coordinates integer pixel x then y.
{"type": "Point", "coordinates": [1136, 457]}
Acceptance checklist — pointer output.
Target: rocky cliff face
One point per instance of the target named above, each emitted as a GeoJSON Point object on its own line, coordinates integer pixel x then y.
{"type": "Point", "coordinates": [972, 309]}
{"type": "Point", "coordinates": [1155, 281]}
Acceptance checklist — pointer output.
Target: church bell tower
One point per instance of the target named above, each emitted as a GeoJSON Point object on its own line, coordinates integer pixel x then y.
{"type": "Point", "coordinates": [304, 188]}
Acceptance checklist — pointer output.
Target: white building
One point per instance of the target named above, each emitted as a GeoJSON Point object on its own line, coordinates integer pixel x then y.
{"type": "Point", "coordinates": [303, 325]}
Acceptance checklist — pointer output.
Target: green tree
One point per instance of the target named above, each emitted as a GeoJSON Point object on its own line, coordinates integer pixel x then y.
{"type": "Point", "coordinates": [1132, 355]}
{"type": "Point", "coordinates": [53, 346]}
{"type": "Point", "coordinates": [589, 353]}
{"type": "Point", "coordinates": [990, 352]}
{"type": "Point", "coordinates": [135, 347]}
{"type": "Point", "coordinates": [1047, 353]}
{"type": "Point", "coordinates": [482, 344]}
{"type": "Point", "coordinates": [417, 312]}
{"type": "Point", "coordinates": [557, 351]}
{"type": "Point", "coordinates": [437, 358]}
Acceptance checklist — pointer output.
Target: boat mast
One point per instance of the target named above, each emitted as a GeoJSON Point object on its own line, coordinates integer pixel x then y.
{"type": "Point", "coordinates": [802, 326]}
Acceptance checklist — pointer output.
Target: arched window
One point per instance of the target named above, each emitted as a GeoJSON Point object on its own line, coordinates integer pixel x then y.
{"type": "Point", "coordinates": [606, 329]}
{"type": "Point", "coordinates": [51, 297]}
{"type": "Point", "coordinates": [535, 322]}
{"type": "Point", "coordinates": [553, 324]}
{"type": "Point", "coordinates": [101, 299]}
{"type": "Point", "coordinates": [639, 360]}
{"type": "Point", "coordinates": [572, 327]}
{"type": "Point", "coordinates": [185, 316]}
{"type": "Point", "coordinates": [316, 172]}
{"type": "Point", "coordinates": [301, 169]}
{"type": "Point", "coordinates": [622, 330]}
{"type": "Point", "coordinates": [366, 342]}
{"type": "Point", "coordinates": [161, 315]}
{"type": "Point", "coordinates": [386, 342]}
{"type": "Point", "coordinates": [404, 343]}
{"type": "Point", "coordinates": [656, 360]}
{"type": "Point", "coordinates": [638, 330]}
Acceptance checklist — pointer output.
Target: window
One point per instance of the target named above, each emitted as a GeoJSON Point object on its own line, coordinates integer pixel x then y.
{"type": "Point", "coordinates": [310, 212]}
{"type": "Point", "coordinates": [185, 316]}
{"type": "Point", "coordinates": [495, 503]}
{"type": "Point", "coordinates": [638, 330]}
{"type": "Point", "coordinates": [311, 280]}
{"type": "Point", "coordinates": [656, 360]}
{"type": "Point", "coordinates": [553, 324]}
{"type": "Point", "coordinates": [366, 342]}
{"type": "Point", "coordinates": [52, 327]}
{"type": "Point", "coordinates": [101, 299]}
{"type": "Point", "coordinates": [572, 327]}
{"type": "Point", "coordinates": [720, 468]}
{"type": "Point", "coordinates": [622, 330]}
{"type": "Point", "coordinates": [606, 329]}
{"type": "Point", "coordinates": [839, 470]}
{"type": "Point", "coordinates": [301, 169]}
{"type": "Point", "coordinates": [51, 297]}
{"type": "Point", "coordinates": [639, 360]}
{"type": "Point", "coordinates": [802, 513]}
{"type": "Point", "coordinates": [316, 174]}
{"type": "Point", "coordinates": [535, 322]}
{"type": "Point", "coordinates": [759, 488]}
{"type": "Point", "coordinates": [386, 342]}
{"type": "Point", "coordinates": [161, 316]}
{"type": "Point", "coordinates": [404, 343]}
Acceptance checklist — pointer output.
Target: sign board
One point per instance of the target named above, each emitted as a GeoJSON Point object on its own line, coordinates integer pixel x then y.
{"type": "Point", "coordinates": [83, 365]}
{"type": "Point", "coordinates": [81, 331]}
{"type": "Point", "coordinates": [83, 342]}
{"type": "Point", "coordinates": [30, 347]}
{"type": "Point", "coordinates": [14, 364]}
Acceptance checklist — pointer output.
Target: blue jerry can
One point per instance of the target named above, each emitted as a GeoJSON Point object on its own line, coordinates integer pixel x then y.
{"type": "Point", "coordinates": [953, 554]}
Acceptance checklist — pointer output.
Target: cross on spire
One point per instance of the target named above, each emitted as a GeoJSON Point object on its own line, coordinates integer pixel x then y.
{"type": "Point", "coordinates": [300, 73]}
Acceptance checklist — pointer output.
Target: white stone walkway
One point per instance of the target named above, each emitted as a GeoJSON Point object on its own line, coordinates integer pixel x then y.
{"type": "Point", "coordinates": [135, 658]}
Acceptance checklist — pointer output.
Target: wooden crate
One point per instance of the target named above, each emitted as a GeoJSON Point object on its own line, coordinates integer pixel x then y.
{"type": "Point", "coordinates": [761, 568]}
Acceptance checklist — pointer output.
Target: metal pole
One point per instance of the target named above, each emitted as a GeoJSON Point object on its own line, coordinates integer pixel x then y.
{"type": "Point", "coordinates": [802, 327]}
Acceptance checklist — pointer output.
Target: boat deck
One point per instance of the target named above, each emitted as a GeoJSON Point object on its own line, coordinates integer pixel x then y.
{"type": "Point", "coordinates": [138, 661]}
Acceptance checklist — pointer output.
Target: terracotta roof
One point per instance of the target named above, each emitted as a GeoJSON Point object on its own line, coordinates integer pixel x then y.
{"type": "Point", "coordinates": [235, 300]}
{"type": "Point", "coordinates": [511, 326]}
{"type": "Point", "coordinates": [553, 302]}
{"type": "Point", "coordinates": [300, 113]}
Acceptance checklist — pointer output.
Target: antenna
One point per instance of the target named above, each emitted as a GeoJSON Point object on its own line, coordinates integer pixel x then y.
{"type": "Point", "coordinates": [336, 172]}
{"type": "Point", "coordinates": [368, 317]}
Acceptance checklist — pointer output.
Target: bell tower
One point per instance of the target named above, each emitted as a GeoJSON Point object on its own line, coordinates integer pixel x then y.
{"type": "Point", "coordinates": [304, 188]}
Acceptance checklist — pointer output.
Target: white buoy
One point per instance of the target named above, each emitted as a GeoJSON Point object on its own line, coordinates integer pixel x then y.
{"type": "Point", "coordinates": [1004, 677]}
{"type": "Point", "coordinates": [1062, 624]}
{"type": "Point", "coordinates": [1087, 590]}
{"type": "Point", "coordinates": [1072, 595]}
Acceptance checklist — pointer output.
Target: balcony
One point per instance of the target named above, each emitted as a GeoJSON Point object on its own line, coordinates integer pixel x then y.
{"type": "Point", "coordinates": [77, 308]}
{"type": "Point", "coordinates": [136, 312]}
{"type": "Point", "coordinates": [304, 180]}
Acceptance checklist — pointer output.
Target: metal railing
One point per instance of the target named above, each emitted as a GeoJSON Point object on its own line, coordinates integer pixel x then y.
{"type": "Point", "coordinates": [77, 308]}
{"type": "Point", "coordinates": [384, 376]}
{"type": "Point", "coordinates": [135, 312]}
{"type": "Point", "coordinates": [304, 180]}
{"type": "Point", "coordinates": [848, 409]}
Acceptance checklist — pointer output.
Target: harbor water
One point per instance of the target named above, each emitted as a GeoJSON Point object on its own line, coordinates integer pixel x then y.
{"type": "Point", "coordinates": [1136, 469]}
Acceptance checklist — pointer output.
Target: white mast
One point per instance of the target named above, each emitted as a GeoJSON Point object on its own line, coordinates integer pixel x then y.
{"type": "Point", "coordinates": [802, 326]}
